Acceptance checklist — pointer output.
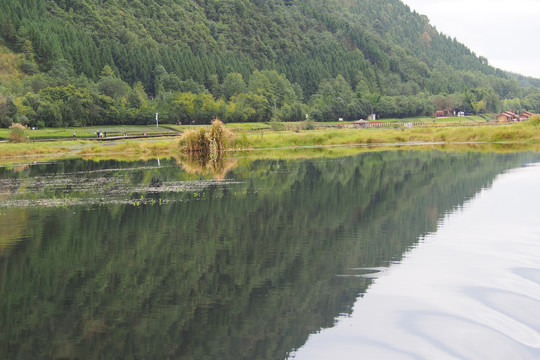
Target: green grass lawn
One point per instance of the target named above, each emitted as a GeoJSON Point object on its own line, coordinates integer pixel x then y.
{"type": "Point", "coordinates": [89, 132]}
{"type": "Point", "coordinates": [249, 126]}
{"type": "Point", "coordinates": [473, 119]}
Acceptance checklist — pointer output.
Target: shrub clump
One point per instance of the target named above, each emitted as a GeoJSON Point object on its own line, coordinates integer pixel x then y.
{"type": "Point", "coordinates": [300, 126]}
{"type": "Point", "coordinates": [207, 142]}
{"type": "Point", "coordinates": [195, 141]}
{"type": "Point", "coordinates": [276, 125]}
{"type": "Point", "coordinates": [18, 133]}
{"type": "Point", "coordinates": [220, 137]}
{"type": "Point", "coordinates": [309, 125]}
{"type": "Point", "coordinates": [534, 121]}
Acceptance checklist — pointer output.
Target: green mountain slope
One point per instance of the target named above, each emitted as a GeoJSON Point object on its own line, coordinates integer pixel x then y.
{"type": "Point", "coordinates": [306, 40]}
{"type": "Point", "coordinates": [377, 46]}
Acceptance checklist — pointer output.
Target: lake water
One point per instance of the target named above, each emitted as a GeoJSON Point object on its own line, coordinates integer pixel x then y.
{"type": "Point", "coordinates": [383, 255]}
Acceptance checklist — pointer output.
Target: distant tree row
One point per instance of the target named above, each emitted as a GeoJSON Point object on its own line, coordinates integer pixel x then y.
{"type": "Point", "coordinates": [60, 98]}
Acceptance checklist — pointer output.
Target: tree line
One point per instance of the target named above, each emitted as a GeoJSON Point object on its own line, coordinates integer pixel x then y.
{"type": "Point", "coordinates": [60, 98]}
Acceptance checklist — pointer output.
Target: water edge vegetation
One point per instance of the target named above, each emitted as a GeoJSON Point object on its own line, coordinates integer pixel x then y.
{"type": "Point", "coordinates": [527, 133]}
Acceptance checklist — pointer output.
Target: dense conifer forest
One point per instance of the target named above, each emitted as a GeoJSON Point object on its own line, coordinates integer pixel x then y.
{"type": "Point", "coordinates": [92, 62]}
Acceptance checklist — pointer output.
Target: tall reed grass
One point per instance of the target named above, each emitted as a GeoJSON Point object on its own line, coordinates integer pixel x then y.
{"type": "Point", "coordinates": [17, 133]}
{"type": "Point", "coordinates": [207, 142]}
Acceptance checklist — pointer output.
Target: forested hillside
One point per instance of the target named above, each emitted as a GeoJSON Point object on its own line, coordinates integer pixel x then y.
{"type": "Point", "coordinates": [85, 62]}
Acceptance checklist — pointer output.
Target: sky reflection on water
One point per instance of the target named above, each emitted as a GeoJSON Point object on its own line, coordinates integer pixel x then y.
{"type": "Point", "coordinates": [469, 291]}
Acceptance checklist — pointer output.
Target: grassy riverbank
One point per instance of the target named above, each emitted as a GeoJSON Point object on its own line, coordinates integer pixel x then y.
{"type": "Point", "coordinates": [249, 137]}
{"type": "Point", "coordinates": [389, 136]}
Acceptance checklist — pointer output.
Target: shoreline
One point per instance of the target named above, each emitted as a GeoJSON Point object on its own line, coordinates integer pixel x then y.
{"type": "Point", "coordinates": [280, 152]}
{"type": "Point", "coordinates": [519, 136]}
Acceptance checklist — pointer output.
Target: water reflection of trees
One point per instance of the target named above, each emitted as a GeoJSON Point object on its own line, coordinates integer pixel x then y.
{"type": "Point", "coordinates": [81, 182]}
{"type": "Point", "coordinates": [12, 227]}
{"type": "Point", "coordinates": [245, 271]}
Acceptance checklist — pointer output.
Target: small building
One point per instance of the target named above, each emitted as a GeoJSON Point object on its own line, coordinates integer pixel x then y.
{"type": "Point", "coordinates": [525, 115]}
{"type": "Point", "coordinates": [361, 123]}
{"type": "Point", "coordinates": [507, 116]}
{"type": "Point", "coordinates": [443, 113]}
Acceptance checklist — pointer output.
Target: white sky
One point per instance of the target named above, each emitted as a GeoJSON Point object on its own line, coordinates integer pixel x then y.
{"type": "Point", "coordinates": [503, 31]}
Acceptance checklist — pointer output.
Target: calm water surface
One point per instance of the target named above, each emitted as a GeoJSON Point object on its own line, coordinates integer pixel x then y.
{"type": "Point", "coordinates": [470, 290]}
{"type": "Point", "coordinates": [380, 255]}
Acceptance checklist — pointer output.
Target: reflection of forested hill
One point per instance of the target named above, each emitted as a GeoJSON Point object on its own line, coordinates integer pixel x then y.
{"type": "Point", "coordinates": [244, 270]}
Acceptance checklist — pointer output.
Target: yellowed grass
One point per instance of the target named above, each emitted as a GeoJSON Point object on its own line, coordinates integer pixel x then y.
{"type": "Point", "coordinates": [204, 165]}
{"type": "Point", "coordinates": [515, 136]}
